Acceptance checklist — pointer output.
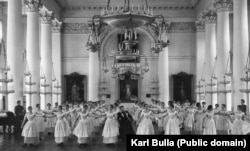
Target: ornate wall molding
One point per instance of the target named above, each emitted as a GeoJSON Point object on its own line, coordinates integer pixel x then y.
{"type": "Point", "coordinates": [182, 27]}
{"type": "Point", "coordinates": [75, 28]}
{"type": "Point", "coordinates": [155, 8]}
{"type": "Point", "coordinates": [83, 28]}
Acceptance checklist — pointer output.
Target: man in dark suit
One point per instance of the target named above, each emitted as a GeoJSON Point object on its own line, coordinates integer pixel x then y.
{"type": "Point", "coordinates": [19, 112]}
{"type": "Point", "coordinates": [243, 107]}
{"type": "Point", "coordinates": [125, 120]}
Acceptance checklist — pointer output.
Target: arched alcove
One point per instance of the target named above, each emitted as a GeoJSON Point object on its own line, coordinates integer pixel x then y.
{"type": "Point", "coordinates": [109, 43]}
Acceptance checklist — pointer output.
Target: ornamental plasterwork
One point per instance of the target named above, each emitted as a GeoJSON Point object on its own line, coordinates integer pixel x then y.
{"type": "Point", "coordinates": [83, 28]}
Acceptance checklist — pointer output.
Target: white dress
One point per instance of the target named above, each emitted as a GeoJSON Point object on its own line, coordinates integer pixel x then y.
{"type": "Point", "coordinates": [172, 127]}
{"type": "Point", "coordinates": [62, 129]}
{"type": "Point", "coordinates": [40, 122]}
{"type": "Point", "coordinates": [198, 121]}
{"type": "Point", "coordinates": [209, 124]}
{"type": "Point", "coordinates": [29, 132]}
{"type": "Point", "coordinates": [110, 131]}
{"type": "Point", "coordinates": [189, 119]}
{"type": "Point", "coordinates": [238, 124]}
{"type": "Point", "coordinates": [145, 127]}
{"type": "Point", "coordinates": [50, 119]}
{"type": "Point", "coordinates": [82, 129]}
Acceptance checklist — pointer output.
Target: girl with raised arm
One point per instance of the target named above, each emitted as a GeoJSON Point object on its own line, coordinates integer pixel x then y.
{"type": "Point", "coordinates": [50, 120]}
{"type": "Point", "coordinates": [110, 131]}
{"type": "Point", "coordinates": [82, 129]}
{"type": "Point", "coordinates": [146, 126]}
{"type": "Point", "coordinates": [30, 132]}
{"type": "Point", "coordinates": [173, 125]}
{"type": "Point", "coordinates": [208, 122]}
{"type": "Point", "coordinates": [62, 129]}
{"type": "Point", "coordinates": [198, 118]}
{"type": "Point", "coordinates": [40, 122]}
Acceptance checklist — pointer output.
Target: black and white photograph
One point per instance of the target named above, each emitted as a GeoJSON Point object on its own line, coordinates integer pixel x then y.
{"type": "Point", "coordinates": [118, 75]}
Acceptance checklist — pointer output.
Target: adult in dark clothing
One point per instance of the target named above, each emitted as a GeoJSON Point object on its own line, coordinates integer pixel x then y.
{"type": "Point", "coordinates": [125, 120]}
{"type": "Point", "coordinates": [19, 112]}
{"type": "Point", "coordinates": [243, 107]}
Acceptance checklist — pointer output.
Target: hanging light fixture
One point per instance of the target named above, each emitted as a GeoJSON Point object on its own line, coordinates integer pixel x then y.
{"type": "Point", "coordinates": [162, 40]}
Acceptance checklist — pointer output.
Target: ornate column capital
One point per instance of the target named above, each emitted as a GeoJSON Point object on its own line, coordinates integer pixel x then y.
{"type": "Point", "coordinates": [32, 5]}
{"type": "Point", "coordinates": [46, 16]}
{"type": "Point", "coordinates": [56, 26]}
{"type": "Point", "coordinates": [223, 5]}
{"type": "Point", "coordinates": [209, 16]}
{"type": "Point", "coordinates": [200, 26]}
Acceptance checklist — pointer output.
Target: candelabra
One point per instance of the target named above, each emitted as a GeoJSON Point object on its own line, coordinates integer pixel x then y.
{"type": "Point", "coordinates": [199, 92]}
{"type": "Point", "coordinates": [30, 84]}
{"type": "Point", "coordinates": [154, 88]}
{"type": "Point", "coordinates": [45, 93]}
{"type": "Point", "coordinates": [247, 90]}
{"type": "Point", "coordinates": [57, 93]}
{"type": "Point", "coordinates": [225, 83]}
{"type": "Point", "coordinates": [103, 89]}
{"type": "Point", "coordinates": [5, 79]}
{"type": "Point", "coordinates": [211, 85]}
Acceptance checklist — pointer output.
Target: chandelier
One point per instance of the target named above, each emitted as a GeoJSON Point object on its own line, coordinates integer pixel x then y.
{"type": "Point", "coordinates": [127, 18]}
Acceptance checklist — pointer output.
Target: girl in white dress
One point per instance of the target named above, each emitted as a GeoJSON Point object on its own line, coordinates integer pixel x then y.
{"type": "Point", "coordinates": [160, 122]}
{"type": "Point", "coordinates": [50, 120]}
{"type": "Point", "coordinates": [40, 122]}
{"type": "Point", "coordinates": [110, 131]}
{"type": "Point", "coordinates": [189, 119]}
{"type": "Point", "coordinates": [238, 122]}
{"type": "Point", "coordinates": [223, 121]}
{"type": "Point", "coordinates": [146, 126]}
{"type": "Point", "coordinates": [173, 124]}
{"type": "Point", "coordinates": [29, 132]}
{"type": "Point", "coordinates": [217, 118]}
{"type": "Point", "coordinates": [198, 118]}
{"type": "Point", "coordinates": [208, 122]}
{"type": "Point", "coordinates": [62, 129]}
{"type": "Point", "coordinates": [82, 129]}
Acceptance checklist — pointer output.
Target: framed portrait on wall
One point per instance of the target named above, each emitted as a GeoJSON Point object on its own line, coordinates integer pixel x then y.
{"type": "Point", "coordinates": [182, 87]}
{"type": "Point", "coordinates": [75, 88]}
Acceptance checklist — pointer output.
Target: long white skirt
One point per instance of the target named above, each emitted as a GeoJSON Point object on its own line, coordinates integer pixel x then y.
{"type": "Point", "coordinates": [145, 127]}
{"type": "Point", "coordinates": [82, 131]}
{"type": "Point", "coordinates": [30, 133]}
{"type": "Point", "coordinates": [172, 127]}
{"type": "Point", "coordinates": [110, 131]}
{"type": "Point", "coordinates": [62, 131]}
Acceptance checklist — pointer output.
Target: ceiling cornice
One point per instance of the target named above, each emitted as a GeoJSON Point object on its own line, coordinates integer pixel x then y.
{"type": "Point", "coordinates": [156, 8]}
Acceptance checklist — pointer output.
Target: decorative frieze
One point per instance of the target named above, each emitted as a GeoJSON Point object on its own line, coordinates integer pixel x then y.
{"type": "Point", "coordinates": [83, 28]}
{"type": "Point", "coordinates": [156, 8]}
{"type": "Point", "coordinates": [182, 27]}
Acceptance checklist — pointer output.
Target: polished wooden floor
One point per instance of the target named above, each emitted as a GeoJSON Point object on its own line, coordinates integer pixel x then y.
{"type": "Point", "coordinates": [14, 143]}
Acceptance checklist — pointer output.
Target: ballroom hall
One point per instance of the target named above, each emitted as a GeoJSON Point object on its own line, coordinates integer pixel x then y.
{"type": "Point", "coordinates": [84, 74]}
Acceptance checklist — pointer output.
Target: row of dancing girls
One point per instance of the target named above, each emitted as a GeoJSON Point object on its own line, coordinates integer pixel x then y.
{"type": "Point", "coordinates": [195, 119]}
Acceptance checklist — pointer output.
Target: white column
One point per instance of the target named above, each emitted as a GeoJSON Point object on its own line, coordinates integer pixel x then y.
{"type": "Point", "coordinates": [210, 52]}
{"type": "Point", "coordinates": [46, 55]}
{"type": "Point", "coordinates": [163, 71]}
{"type": "Point", "coordinates": [93, 76]}
{"type": "Point", "coordinates": [56, 57]}
{"type": "Point", "coordinates": [200, 56]}
{"type": "Point", "coordinates": [15, 50]}
{"type": "Point", "coordinates": [32, 47]}
{"type": "Point", "coordinates": [240, 49]}
{"type": "Point", "coordinates": [223, 47]}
